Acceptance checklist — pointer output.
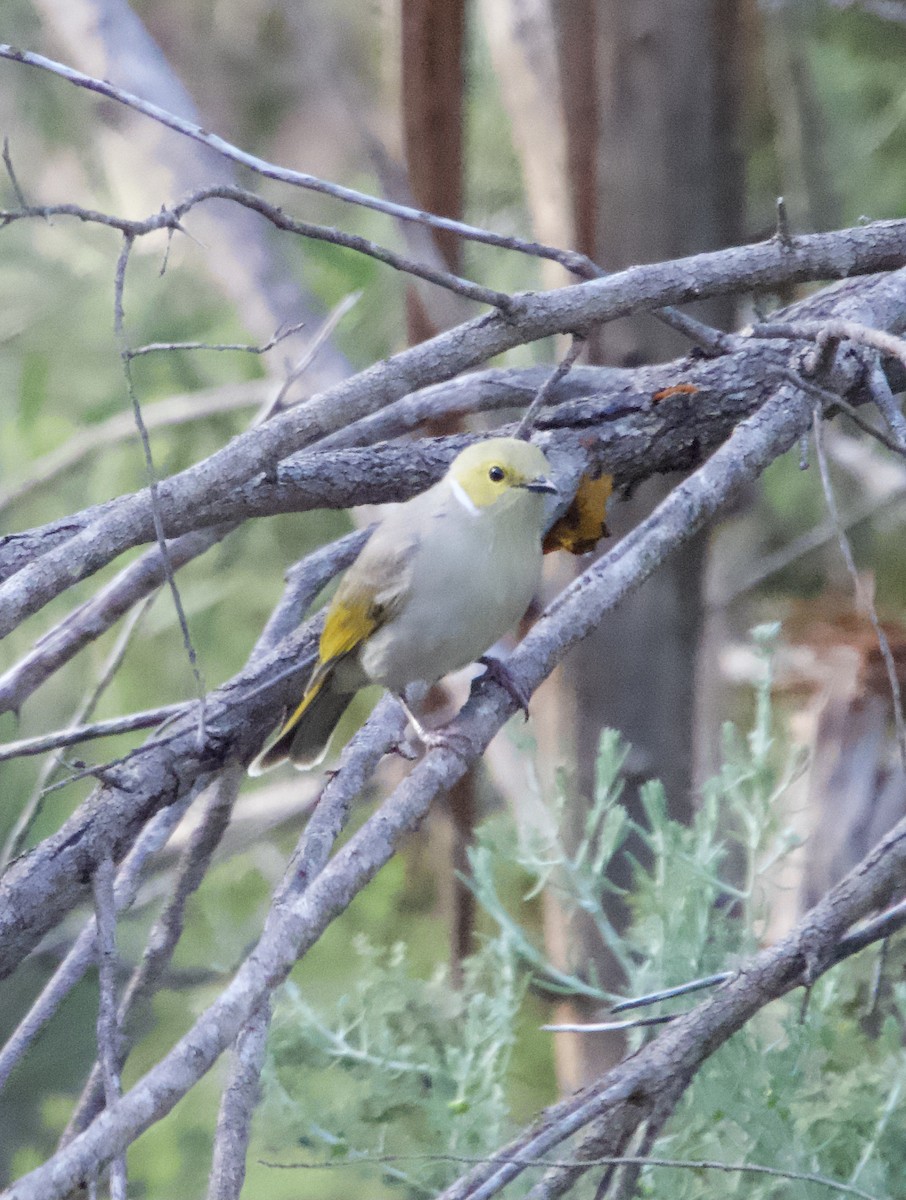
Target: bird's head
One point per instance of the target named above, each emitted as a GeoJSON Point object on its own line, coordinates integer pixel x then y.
{"type": "Point", "coordinates": [500, 468]}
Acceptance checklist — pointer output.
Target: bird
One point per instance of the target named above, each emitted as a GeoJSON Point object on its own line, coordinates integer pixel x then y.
{"type": "Point", "coordinates": [443, 577]}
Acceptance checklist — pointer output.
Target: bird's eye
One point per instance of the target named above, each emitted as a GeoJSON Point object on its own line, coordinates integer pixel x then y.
{"type": "Point", "coordinates": [496, 474]}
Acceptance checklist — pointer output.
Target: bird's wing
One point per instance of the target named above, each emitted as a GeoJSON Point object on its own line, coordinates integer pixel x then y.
{"type": "Point", "coordinates": [373, 591]}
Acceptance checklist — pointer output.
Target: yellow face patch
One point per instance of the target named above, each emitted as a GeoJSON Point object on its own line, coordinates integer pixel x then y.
{"type": "Point", "coordinates": [490, 469]}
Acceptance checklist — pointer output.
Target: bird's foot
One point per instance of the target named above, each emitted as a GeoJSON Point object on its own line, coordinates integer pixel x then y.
{"type": "Point", "coordinates": [447, 739]}
{"type": "Point", "coordinates": [432, 739]}
{"type": "Point", "coordinates": [497, 670]}
{"type": "Point", "coordinates": [404, 749]}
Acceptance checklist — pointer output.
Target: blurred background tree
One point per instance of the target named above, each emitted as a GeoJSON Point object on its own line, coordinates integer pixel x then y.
{"type": "Point", "coordinates": [633, 132]}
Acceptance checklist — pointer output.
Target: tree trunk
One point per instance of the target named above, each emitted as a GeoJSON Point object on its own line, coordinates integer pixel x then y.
{"type": "Point", "coordinates": [669, 184]}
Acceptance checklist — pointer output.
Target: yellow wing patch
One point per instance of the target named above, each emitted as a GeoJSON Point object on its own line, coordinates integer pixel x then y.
{"type": "Point", "coordinates": [350, 620]}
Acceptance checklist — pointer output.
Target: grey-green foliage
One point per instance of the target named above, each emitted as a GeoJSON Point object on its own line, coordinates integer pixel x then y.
{"type": "Point", "coordinates": [403, 1065]}
{"type": "Point", "coordinates": [410, 1067]}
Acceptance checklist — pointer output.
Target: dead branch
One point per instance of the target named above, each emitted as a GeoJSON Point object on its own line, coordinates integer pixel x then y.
{"type": "Point", "coordinates": [209, 489]}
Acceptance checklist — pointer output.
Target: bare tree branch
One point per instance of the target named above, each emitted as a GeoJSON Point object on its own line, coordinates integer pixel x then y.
{"type": "Point", "coordinates": [306, 579]}
{"type": "Point", "coordinates": [31, 809]}
{"type": "Point", "coordinates": [160, 536]}
{"type": "Point", "coordinates": [680, 1164]}
{"type": "Point", "coordinates": [83, 951]}
{"type": "Point", "coordinates": [249, 460]}
{"type": "Point", "coordinates": [807, 951]}
{"type": "Point", "coordinates": [95, 616]}
{"type": "Point", "coordinates": [744, 408]}
{"type": "Point", "coordinates": [190, 129]}
{"type": "Point", "coordinates": [109, 39]}
{"type": "Point", "coordinates": [304, 906]}
{"type": "Point", "coordinates": [241, 713]}
{"type": "Point", "coordinates": [167, 930]}
{"type": "Point", "coordinates": [150, 719]}
{"type": "Point", "coordinates": [863, 597]}
{"type": "Point", "coordinates": [107, 1024]}
{"type": "Point", "coordinates": [234, 1121]}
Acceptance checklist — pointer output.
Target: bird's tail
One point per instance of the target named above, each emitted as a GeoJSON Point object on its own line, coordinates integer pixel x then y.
{"type": "Point", "coordinates": [304, 736]}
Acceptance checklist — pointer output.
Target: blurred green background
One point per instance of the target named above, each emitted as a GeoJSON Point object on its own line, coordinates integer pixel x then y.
{"type": "Point", "coordinates": [290, 82]}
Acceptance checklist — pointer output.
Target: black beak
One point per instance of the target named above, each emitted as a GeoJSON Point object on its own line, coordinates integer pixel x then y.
{"type": "Point", "coordinates": [541, 484]}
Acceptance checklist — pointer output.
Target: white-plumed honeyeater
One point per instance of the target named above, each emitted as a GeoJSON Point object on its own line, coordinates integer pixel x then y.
{"type": "Point", "coordinates": [441, 579]}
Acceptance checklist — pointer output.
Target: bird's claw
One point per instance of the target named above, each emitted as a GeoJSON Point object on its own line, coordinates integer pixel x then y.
{"type": "Point", "coordinates": [498, 671]}
{"type": "Point", "coordinates": [447, 739]}
{"type": "Point", "coordinates": [404, 749]}
{"type": "Point", "coordinates": [434, 739]}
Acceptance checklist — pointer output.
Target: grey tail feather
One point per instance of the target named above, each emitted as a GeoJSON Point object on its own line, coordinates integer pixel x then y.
{"type": "Point", "coordinates": [312, 735]}
{"type": "Point", "coordinates": [306, 742]}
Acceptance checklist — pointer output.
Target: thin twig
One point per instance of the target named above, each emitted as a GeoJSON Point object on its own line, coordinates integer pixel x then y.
{"type": "Point", "coordinates": [862, 596]}
{"type": "Point", "coordinates": [563, 368]}
{"type": "Point", "coordinates": [8, 163]}
{"type": "Point", "coordinates": [887, 404]}
{"type": "Point", "coordinates": [836, 330]}
{"type": "Point", "coordinates": [278, 337]}
{"type": "Point", "coordinates": [713, 342]}
{"type": "Point", "coordinates": [609, 1026]}
{"type": "Point", "coordinates": [119, 330]}
{"type": "Point", "coordinates": [883, 926]}
{"type": "Point", "coordinates": [577, 263]}
{"type": "Point", "coordinates": [324, 333]}
{"type": "Point", "coordinates": [608, 1160]}
{"type": "Point", "coordinates": [148, 719]}
{"type": "Point", "coordinates": [107, 1024]}
{"type": "Point", "coordinates": [770, 564]}
{"type": "Point", "coordinates": [83, 951]}
{"type": "Point", "coordinates": [830, 401]}
{"type": "Point", "coordinates": [32, 807]}
{"type": "Point", "coordinates": [170, 220]}
{"type": "Point", "coordinates": [828, 334]}
{"type": "Point", "coordinates": [683, 989]}
{"type": "Point", "coordinates": [782, 232]}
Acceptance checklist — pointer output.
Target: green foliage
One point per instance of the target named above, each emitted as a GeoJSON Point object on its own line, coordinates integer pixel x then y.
{"type": "Point", "coordinates": [405, 1066]}
{"type": "Point", "coordinates": [858, 66]}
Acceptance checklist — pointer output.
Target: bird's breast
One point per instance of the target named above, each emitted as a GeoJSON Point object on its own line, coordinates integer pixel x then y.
{"type": "Point", "coordinates": [471, 582]}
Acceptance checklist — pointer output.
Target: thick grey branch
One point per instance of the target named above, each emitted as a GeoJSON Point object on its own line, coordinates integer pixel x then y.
{"type": "Point", "coordinates": [45, 883]}
{"type": "Point", "coordinates": [240, 1098]}
{"type": "Point", "coordinates": [251, 458]}
{"type": "Point", "coordinates": [166, 932]}
{"type": "Point", "coordinates": [82, 953]}
{"type": "Point", "coordinates": [302, 912]}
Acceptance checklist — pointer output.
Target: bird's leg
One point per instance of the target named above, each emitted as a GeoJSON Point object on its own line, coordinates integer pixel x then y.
{"type": "Point", "coordinates": [497, 670]}
{"type": "Point", "coordinates": [435, 737]}
{"type": "Point", "coordinates": [416, 724]}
